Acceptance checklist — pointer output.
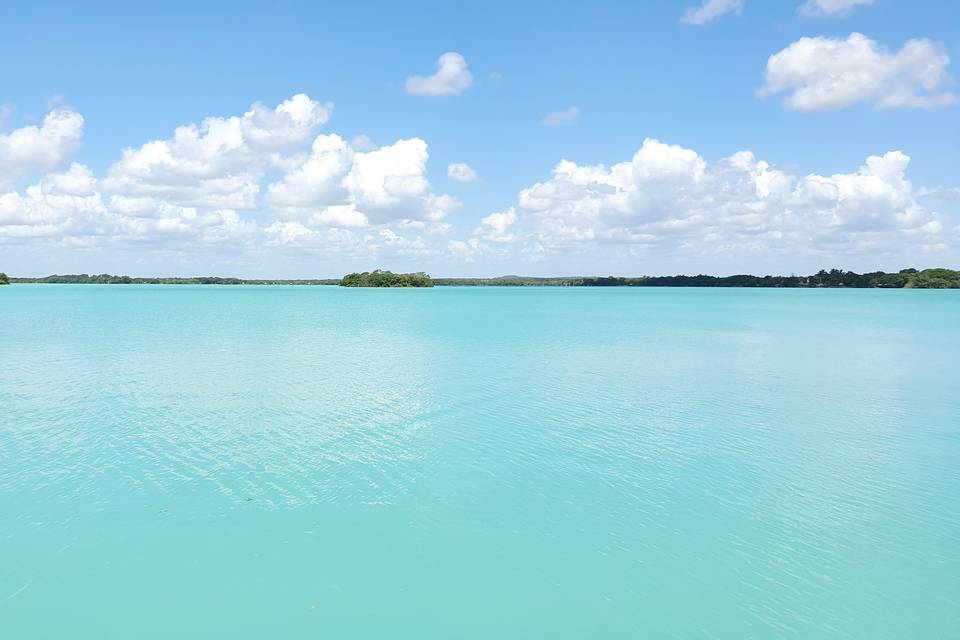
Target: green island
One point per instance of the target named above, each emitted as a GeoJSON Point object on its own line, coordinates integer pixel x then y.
{"type": "Point", "coordinates": [389, 279]}
{"type": "Point", "coordinates": [833, 279]}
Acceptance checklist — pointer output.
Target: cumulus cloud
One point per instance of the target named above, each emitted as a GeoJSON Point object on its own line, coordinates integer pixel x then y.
{"type": "Point", "coordinates": [830, 8]}
{"type": "Point", "coordinates": [462, 172]}
{"type": "Point", "coordinates": [220, 162]}
{"type": "Point", "coordinates": [496, 226]}
{"type": "Point", "coordinates": [827, 73]}
{"type": "Point", "coordinates": [320, 195]}
{"type": "Point", "coordinates": [499, 222]}
{"type": "Point", "coordinates": [63, 203]}
{"type": "Point", "coordinates": [466, 250]}
{"type": "Point", "coordinates": [668, 196]}
{"type": "Point", "coordinates": [41, 148]}
{"type": "Point", "coordinates": [390, 183]}
{"type": "Point", "coordinates": [452, 78]}
{"type": "Point", "coordinates": [710, 10]}
{"type": "Point", "coordinates": [202, 188]}
{"type": "Point", "coordinates": [362, 142]}
{"type": "Point", "coordinates": [68, 208]}
{"type": "Point", "coordinates": [339, 186]}
{"type": "Point", "coordinates": [316, 183]}
{"type": "Point", "coordinates": [565, 118]}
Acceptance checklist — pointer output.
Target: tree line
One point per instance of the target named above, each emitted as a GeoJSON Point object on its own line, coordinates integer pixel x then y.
{"type": "Point", "coordinates": [106, 278]}
{"type": "Point", "coordinates": [834, 278]}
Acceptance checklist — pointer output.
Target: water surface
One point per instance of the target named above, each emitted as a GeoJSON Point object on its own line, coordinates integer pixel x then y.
{"type": "Point", "coordinates": [292, 462]}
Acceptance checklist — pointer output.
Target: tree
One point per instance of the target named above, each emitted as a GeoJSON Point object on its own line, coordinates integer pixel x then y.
{"type": "Point", "coordinates": [3, 278]}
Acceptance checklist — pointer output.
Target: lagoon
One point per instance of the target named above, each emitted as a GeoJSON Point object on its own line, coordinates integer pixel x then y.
{"type": "Point", "coordinates": [281, 461]}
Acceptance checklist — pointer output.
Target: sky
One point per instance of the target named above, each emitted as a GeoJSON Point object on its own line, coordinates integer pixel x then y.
{"type": "Point", "coordinates": [479, 138]}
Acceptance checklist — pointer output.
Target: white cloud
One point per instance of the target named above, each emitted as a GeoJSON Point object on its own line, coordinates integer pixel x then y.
{"type": "Point", "coordinates": [188, 191]}
{"type": "Point", "coordinates": [500, 222]}
{"type": "Point", "coordinates": [668, 198]}
{"type": "Point", "coordinates": [492, 239]}
{"type": "Point", "coordinates": [289, 124]}
{"type": "Point", "coordinates": [466, 250]}
{"type": "Point", "coordinates": [830, 8]}
{"type": "Point", "coordinates": [220, 162]}
{"type": "Point", "coordinates": [566, 117]}
{"type": "Point", "coordinates": [941, 193]}
{"type": "Point", "coordinates": [304, 194]}
{"type": "Point", "coordinates": [58, 204]}
{"type": "Point", "coordinates": [283, 233]}
{"type": "Point", "coordinates": [68, 208]}
{"type": "Point", "coordinates": [43, 148]}
{"type": "Point", "coordinates": [827, 73]}
{"type": "Point", "coordinates": [710, 10]}
{"type": "Point", "coordinates": [496, 226]}
{"type": "Point", "coordinates": [340, 216]}
{"type": "Point", "coordinates": [390, 183]}
{"type": "Point", "coordinates": [462, 172]}
{"type": "Point", "coordinates": [452, 78]}
{"type": "Point", "coordinates": [77, 180]}
{"type": "Point", "coordinates": [339, 186]}
{"type": "Point", "coordinates": [362, 142]}
{"type": "Point", "coordinates": [402, 245]}
{"type": "Point", "coordinates": [318, 181]}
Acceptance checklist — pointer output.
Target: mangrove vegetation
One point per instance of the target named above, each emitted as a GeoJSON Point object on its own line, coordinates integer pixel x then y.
{"type": "Point", "coordinates": [832, 279]}
{"type": "Point", "coordinates": [105, 278]}
{"type": "Point", "coordinates": [380, 278]}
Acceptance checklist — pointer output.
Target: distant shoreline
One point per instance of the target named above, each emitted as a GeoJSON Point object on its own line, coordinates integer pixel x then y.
{"type": "Point", "coordinates": [835, 278]}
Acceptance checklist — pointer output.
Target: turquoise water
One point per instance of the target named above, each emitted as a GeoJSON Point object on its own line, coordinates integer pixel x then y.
{"type": "Point", "coordinates": [317, 462]}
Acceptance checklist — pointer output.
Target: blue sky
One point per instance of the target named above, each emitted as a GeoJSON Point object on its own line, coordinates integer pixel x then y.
{"type": "Point", "coordinates": [632, 71]}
